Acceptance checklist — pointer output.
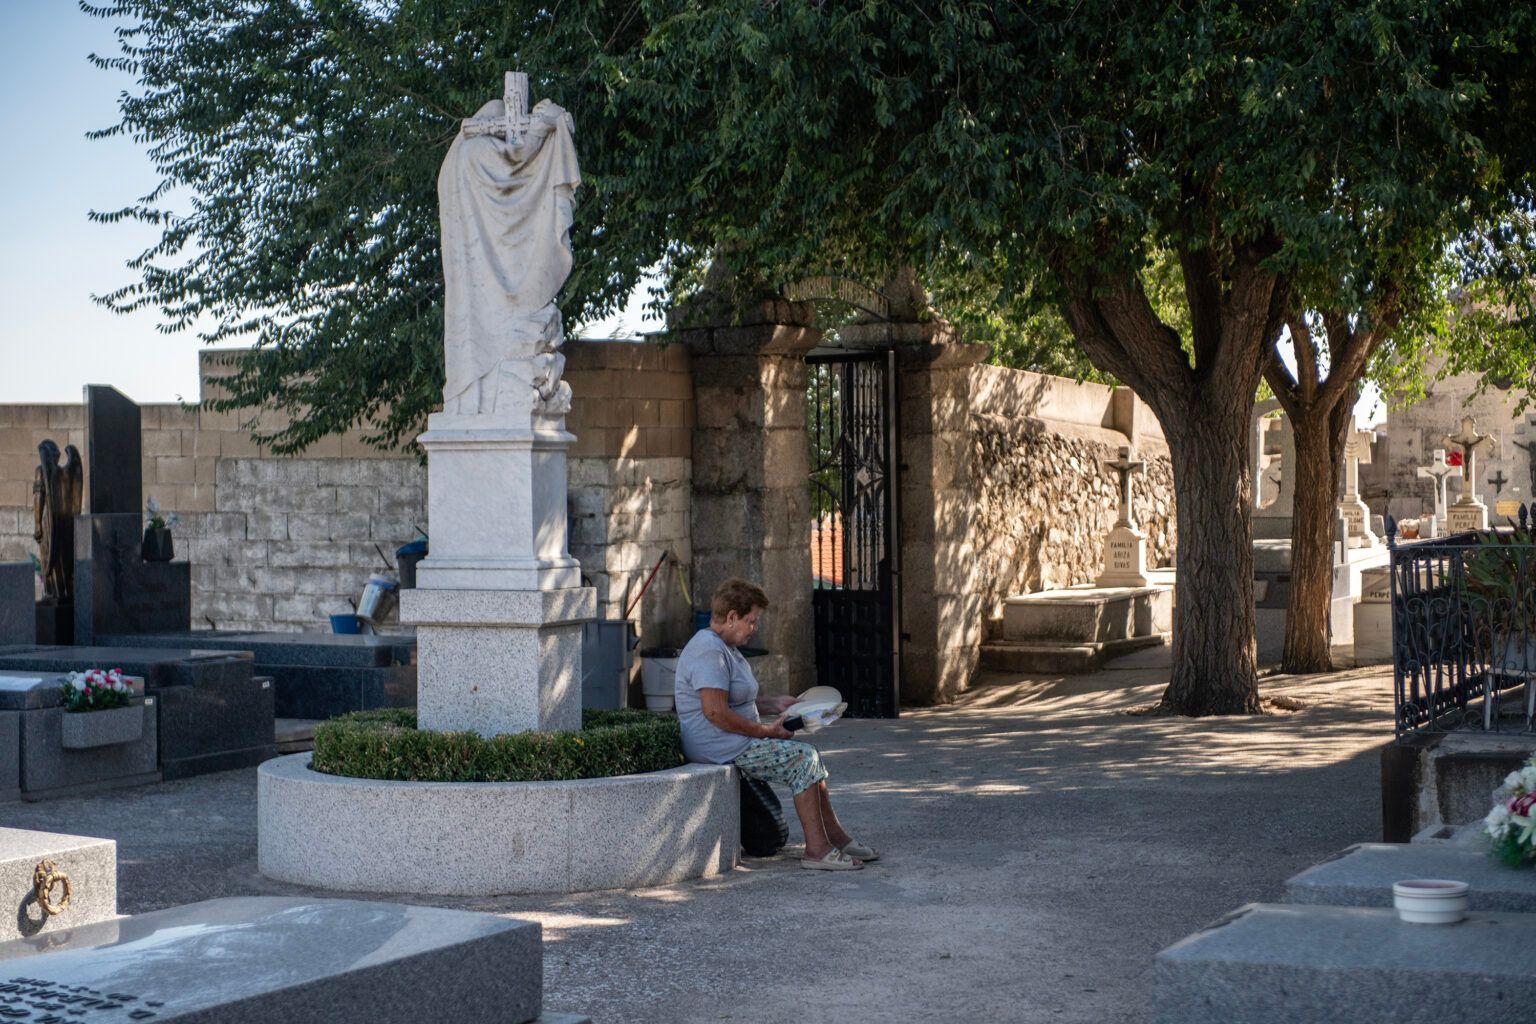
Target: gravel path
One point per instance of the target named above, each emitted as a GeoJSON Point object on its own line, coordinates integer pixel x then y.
{"type": "Point", "coordinates": [1040, 844]}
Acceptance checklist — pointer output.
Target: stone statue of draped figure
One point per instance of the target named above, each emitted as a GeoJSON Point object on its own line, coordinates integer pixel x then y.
{"type": "Point", "coordinates": [506, 194]}
{"type": "Point", "coordinates": [57, 493]}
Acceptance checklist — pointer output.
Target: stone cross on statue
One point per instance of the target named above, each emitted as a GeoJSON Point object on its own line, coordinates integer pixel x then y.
{"type": "Point", "coordinates": [1468, 440]}
{"type": "Point", "coordinates": [513, 124]}
{"type": "Point", "coordinates": [1125, 465]}
{"type": "Point", "coordinates": [1439, 471]}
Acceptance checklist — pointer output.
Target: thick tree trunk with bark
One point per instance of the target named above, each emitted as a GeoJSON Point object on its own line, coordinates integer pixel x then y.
{"type": "Point", "coordinates": [1213, 645]}
{"type": "Point", "coordinates": [1319, 436]}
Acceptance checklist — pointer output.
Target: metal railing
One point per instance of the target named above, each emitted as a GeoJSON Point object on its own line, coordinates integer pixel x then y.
{"type": "Point", "coordinates": [1464, 630]}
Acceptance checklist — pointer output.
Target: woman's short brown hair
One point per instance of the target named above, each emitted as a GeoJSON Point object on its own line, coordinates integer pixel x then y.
{"type": "Point", "coordinates": [736, 595]}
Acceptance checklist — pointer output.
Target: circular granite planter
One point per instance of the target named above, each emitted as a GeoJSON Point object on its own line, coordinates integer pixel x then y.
{"type": "Point", "coordinates": [491, 838]}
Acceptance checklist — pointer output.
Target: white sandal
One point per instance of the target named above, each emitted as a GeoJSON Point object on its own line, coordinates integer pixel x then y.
{"type": "Point", "coordinates": [834, 860]}
{"type": "Point", "coordinates": [854, 848]}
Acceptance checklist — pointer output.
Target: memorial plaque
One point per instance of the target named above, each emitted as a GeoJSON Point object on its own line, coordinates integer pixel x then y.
{"type": "Point", "coordinates": [1506, 508]}
{"type": "Point", "coordinates": [294, 960]}
{"type": "Point", "coordinates": [1354, 515]}
{"type": "Point", "coordinates": [1460, 518]}
{"type": "Point", "coordinates": [1376, 586]}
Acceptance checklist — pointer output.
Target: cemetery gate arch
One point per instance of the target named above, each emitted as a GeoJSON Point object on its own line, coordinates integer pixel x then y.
{"type": "Point", "coordinates": [855, 598]}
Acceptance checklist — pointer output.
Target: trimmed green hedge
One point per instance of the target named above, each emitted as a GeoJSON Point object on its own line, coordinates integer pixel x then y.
{"type": "Point", "coordinates": [385, 744]}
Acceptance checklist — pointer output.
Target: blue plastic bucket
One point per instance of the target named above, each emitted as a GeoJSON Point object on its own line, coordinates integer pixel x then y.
{"type": "Point", "coordinates": [345, 624]}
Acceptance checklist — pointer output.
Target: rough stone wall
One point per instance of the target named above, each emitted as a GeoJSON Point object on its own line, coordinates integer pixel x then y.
{"type": "Point", "coordinates": [1044, 504]}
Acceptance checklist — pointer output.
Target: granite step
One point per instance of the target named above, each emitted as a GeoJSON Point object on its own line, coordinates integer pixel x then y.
{"type": "Point", "coordinates": [1362, 876]}
{"type": "Point", "coordinates": [1284, 963]}
{"type": "Point", "coordinates": [295, 735]}
{"type": "Point", "coordinates": [1048, 658]}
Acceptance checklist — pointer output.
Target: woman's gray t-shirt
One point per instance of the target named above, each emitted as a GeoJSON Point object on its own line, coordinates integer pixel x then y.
{"type": "Point", "coordinates": [708, 662]}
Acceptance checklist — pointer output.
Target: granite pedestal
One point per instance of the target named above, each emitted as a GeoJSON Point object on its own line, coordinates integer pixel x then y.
{"type": "Point", "coordinates": [213, 713]}
{"type": "Point", "coordinates": [314, 675]}
{"type": "Point", "coordinates": [295, 960]}
{"type": "Point", "coordinates": [18, 607]}
{"type": "Point", "coordinates": [116, 591]}
{"type": "Point", "coordinates": [1362, 876]}
{"type": "Point", "coordinates": [91, 867]}
{"type": "Point", "coordinates": [1281, 964]}
{"type": "Point", "coordinates": [29, 705]}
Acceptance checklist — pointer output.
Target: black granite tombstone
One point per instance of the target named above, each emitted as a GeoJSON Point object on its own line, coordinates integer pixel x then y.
{"type": "Point", "coordinates": [116, 591]}
{"type": "Point", "coordinates": [18, 620]}
{"type": "Point", "coordinates": [113, 452]}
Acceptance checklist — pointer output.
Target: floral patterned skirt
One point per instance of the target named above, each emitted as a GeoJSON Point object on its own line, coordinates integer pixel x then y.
{"type": "Point", "coordinates": [789, 762]}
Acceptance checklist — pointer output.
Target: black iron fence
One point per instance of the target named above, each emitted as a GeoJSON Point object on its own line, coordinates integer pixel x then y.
{"type": "Point", "coordinates": [1464, 629]}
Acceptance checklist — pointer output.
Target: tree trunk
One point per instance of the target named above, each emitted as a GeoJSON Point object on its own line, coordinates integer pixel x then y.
{"type": "Point", "coordinates": [1214, 670]}
{"type": "Point", "coordinates": [1319, 436]}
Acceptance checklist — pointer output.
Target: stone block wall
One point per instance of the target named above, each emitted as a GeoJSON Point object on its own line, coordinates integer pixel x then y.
{"type": "Point", "coordinates": [282, 543]}
{"type": "Point", "coordinates": [631, 481]}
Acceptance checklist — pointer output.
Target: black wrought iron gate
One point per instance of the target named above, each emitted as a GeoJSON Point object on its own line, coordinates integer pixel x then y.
{"type": "Point", "coordinates": [855, 601]}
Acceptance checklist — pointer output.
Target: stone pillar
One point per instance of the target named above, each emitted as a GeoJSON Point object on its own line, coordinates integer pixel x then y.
{"type": "Point", "coordinates": [942, 608]}
{"type": "Point", "coordinates": [751, 468]}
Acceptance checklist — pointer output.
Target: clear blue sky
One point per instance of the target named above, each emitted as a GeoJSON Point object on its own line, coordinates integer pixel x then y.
{"type": "Point", "coordinates": [53, 338]}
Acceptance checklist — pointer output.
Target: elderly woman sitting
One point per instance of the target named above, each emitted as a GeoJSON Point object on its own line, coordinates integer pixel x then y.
{"type": "Point", "coordinates": [719, 711]}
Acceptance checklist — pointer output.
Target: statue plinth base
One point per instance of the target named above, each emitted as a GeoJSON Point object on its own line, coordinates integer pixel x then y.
{"type": "Point", "coordinates": [1125, 558]}
{"type": "Point", "coordinates": [55, 624]}
{"type": "Point", "coordinates": [1358, 515]}
{"type": "Point", "coordinates": [496, 505]}
{"type": "Point", "coordinates": [495, 661]}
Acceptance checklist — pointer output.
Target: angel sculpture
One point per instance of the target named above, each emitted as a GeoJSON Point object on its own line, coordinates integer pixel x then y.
{"type": "Point", "coordinates": [57, 492]}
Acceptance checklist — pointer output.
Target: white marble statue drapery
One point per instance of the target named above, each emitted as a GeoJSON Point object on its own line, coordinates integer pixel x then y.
{"type": "Point", "coordinates": [506, 198]}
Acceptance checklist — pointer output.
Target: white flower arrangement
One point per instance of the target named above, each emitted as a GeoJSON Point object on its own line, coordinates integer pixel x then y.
{"type": "Point", "coordinates": [96, 690]}
{"type": "Point", "coordinates": [1511, 823]}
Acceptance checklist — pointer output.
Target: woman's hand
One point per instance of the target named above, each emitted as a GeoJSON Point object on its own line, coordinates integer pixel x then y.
{"type": "Point", "coordinates": [776, 705]}
{"type": "Point", "coordinates": [774, 731]}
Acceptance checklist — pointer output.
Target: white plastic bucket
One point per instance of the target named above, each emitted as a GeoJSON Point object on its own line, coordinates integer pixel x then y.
{"type": "Point", "coordinates": [1430, 900]}
{"type": "Point", "coordinates": [657, 676]}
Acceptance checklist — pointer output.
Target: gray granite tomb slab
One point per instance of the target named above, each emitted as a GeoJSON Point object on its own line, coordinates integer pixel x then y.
{"type": "Point", "coordinates": [1362, 876]}
{"type": "Point", "coordinates": [327, 650]}
{"type": "Point", "coordinates": [49, 769]}
{"type": "Point", "coordinates": [300, 961]}
{"type": "Point", "coordinates": [90, 864]}
{"type": "Point", "coordinates": [1282, 964]}
{"type": "Point", "coordinates": [10, 756]}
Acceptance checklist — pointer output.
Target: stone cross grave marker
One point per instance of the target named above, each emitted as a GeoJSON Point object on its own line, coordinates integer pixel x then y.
{"type": "Point", "coordinates": [1125, 549]}
{"type": "Point", "coordinates": [1525, 440]}
{"type": "Point", "coordinates": [1497, 480]}
{"type": "Point", "coordinates": [1282, 470]}
{"type": "Point", "coordinates": [1468, 513]}
{"type": "Point", "coordinates": [1439, 471]}
{"type": "Point", "coordinates": [1357, 449]}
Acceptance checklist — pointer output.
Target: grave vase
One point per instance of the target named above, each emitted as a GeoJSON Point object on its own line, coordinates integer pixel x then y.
{"type": "Point", "coordinates": [83, 730]}
{"type": "Point", "coordinates": [158, 546]}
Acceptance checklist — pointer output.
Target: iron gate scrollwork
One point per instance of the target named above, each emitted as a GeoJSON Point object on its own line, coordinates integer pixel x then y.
{"type": "Point", "coordinates": [853, 485]}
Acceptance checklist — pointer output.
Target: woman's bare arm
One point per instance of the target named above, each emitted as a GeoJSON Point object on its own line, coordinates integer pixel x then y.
{"type": "Point", "coordinates": [717, 710]}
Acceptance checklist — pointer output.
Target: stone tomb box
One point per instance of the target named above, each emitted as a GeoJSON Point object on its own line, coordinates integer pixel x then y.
{"type": "Point", "coordinates": [89, 864]}
{"type": "Point", "coordinates": [213, 713]}
{"type": "Point", "coordinates": [41, 765]}
{"type": "Point", "coordinates": [299, 961]}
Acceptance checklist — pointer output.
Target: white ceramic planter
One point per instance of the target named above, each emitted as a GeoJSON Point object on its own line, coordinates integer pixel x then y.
{"type": "Point", "coordinates": [1430, 900]}
{"type": "Point", "coordinates": [83, 730]}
